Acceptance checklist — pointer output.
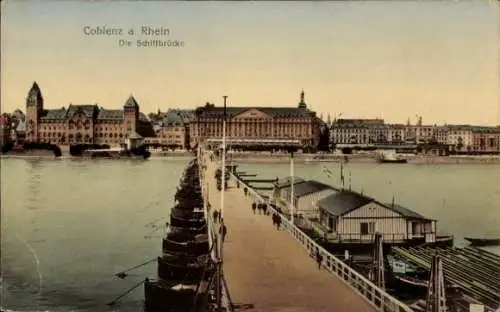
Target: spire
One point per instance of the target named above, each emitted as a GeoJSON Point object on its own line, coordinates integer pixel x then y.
{"type": "Point", "coordinates": [35, 86]}
{"type": "Point", "coordinates": [302, 103]}
{"type": "Point", "coordinates": [329, 119]}
{"type": "Point", "coordinates": [35, 96]}
{"type": "Point", "coordinates": [34, 90]}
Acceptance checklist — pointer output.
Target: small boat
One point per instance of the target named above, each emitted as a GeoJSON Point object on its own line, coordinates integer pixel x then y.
{"type": "Point", "coordinates": [393, 161]}
{"type": "Point", "coordinates": [385, 158]}
{"type": "Point", "coordinates": [182, 267]}
{"type": "Point", "coordinates": [442, 241]}
{"type": "Point", "coordinates": [180, 221]}
{"type": "Point", "coordinates": [417, 286]}
{"type": "Point", "coordinates": [182, 243]}
{"type": "Point", "coordinates": [161, 295]}
{"type": "Point", "coordinates": [483, 241]}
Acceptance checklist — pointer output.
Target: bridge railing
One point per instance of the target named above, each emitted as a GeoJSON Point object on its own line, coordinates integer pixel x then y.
{"type": "Point", "coordinates": [212, 232]}
{"type": "Point", "coordinates": [381, 300]}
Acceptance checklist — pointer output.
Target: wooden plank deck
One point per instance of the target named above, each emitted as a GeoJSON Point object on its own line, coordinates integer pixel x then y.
{"type": "Point", "coordinates": [268, 269]}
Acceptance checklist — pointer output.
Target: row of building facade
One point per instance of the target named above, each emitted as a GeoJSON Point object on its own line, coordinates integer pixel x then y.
{"type": "Point", "coordinates": [459, 138]}
{"type": "Point", "coordinates": [93, 124]}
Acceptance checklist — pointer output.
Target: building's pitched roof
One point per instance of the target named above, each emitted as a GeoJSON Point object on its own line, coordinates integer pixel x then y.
{"type": "Point", "coordinates": [135, 135]}
{"type": "Point", "coordinates": [308, 187]}
{"type": "Point", "coordinates": [484, 129]}
{"type": "Point", "coordinates": [110, 114]}
{"type": "Point", "coordinates": [54, 114]}
{"type": "Point", "coordinates": [145, 128]}
{"type": "Point", "coordinates": [90, 110]}
{"type": "Point", "coordinates": [18, 114]}
{"type": "Point", "coordinates": [405, 212]}
{"type": "Point", "coordinates": [343, 202]}
{"type": "Point", "coordinates": [172, 119]}
{"type": "Point", "coordinates": [131, 102]}
{"type": "Point", "coordinates": [35, 89]}
{"type": "Point", "coordinates": [287, 181]}
{"type": "Point", "coordinates": [21, 126]}
{"type": "Point", "coordinates": [218, 112]}
{"type": "Point", "coordinates": [346, 201]}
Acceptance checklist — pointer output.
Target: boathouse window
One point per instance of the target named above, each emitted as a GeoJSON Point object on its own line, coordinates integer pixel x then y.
{"type": "Point", "coordinates": [367, 228]}
{"type": "Point", "coordinates": [416, 229]}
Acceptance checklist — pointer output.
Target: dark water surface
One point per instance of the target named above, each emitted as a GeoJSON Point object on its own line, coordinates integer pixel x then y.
{"type": "Point", "coordinates": [69, 225]}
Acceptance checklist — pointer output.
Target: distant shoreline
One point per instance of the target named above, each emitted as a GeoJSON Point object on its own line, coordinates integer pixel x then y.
{"type": "Point", "coordinates": [356, 158]}
{"type": "Point", "coordinates": [281, 158]}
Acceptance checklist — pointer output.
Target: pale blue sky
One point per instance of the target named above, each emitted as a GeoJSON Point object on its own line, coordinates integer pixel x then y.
{"type": "Point", "coordinates": [361, 59]}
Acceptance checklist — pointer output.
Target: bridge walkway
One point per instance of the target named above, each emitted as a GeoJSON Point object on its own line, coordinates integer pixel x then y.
{"type": "Point", "coordinates": [268, 269]}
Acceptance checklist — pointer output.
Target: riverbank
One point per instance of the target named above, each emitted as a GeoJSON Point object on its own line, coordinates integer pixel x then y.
{"type": "Point", "coordinates": [280, 158]}
{"type": "Point", "coordinates": [357, 158]}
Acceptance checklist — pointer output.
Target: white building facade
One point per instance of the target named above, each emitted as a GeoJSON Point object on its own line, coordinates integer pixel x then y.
{"type": "Point", "coordinates": [352, 217]}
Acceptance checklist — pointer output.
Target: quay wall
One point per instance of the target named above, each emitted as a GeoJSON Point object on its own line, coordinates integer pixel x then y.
{"type": "Point", "coordinates": [377, 297]}
{"type": "Point", "coordinates": [267, 157]}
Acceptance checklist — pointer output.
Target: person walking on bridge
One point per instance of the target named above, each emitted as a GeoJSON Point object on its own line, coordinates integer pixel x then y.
{"type": "Point", "coordinates": [278, 221]}
{"type": "Point", "coordinates": [254, 207]}
{"type": "Point", "coordinates": [223, 230]}
{"type": "Point", "coordinates": [319, 258]}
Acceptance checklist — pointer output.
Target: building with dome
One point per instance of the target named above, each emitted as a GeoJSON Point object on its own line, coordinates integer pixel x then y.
{"type": "Point", "coordinates": [83, 123]}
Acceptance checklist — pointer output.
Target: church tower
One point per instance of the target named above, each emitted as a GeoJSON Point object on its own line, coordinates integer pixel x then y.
{"type": "Point", "coordinates": [130, 115]}
{"type": "Point", "coordinates": [34, 110]}
{"type": "Point", "coordinates": [302, 103]}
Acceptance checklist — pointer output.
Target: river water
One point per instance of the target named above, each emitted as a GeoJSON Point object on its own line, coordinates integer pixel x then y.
{"type": "Point", "coordinates": [69, 225]}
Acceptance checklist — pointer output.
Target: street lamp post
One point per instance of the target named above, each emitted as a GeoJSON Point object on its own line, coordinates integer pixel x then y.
{"type": "Point", "coordinates": [292, 187]}
{"type": "Point", "coordinates": [220, 242]}
{"type": "Point", "coordinates": [223, 159]}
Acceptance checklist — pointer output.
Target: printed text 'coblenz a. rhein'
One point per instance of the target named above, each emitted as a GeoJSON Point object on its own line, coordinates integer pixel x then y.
{"type": "Point", "coordinates": [140, 31]}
